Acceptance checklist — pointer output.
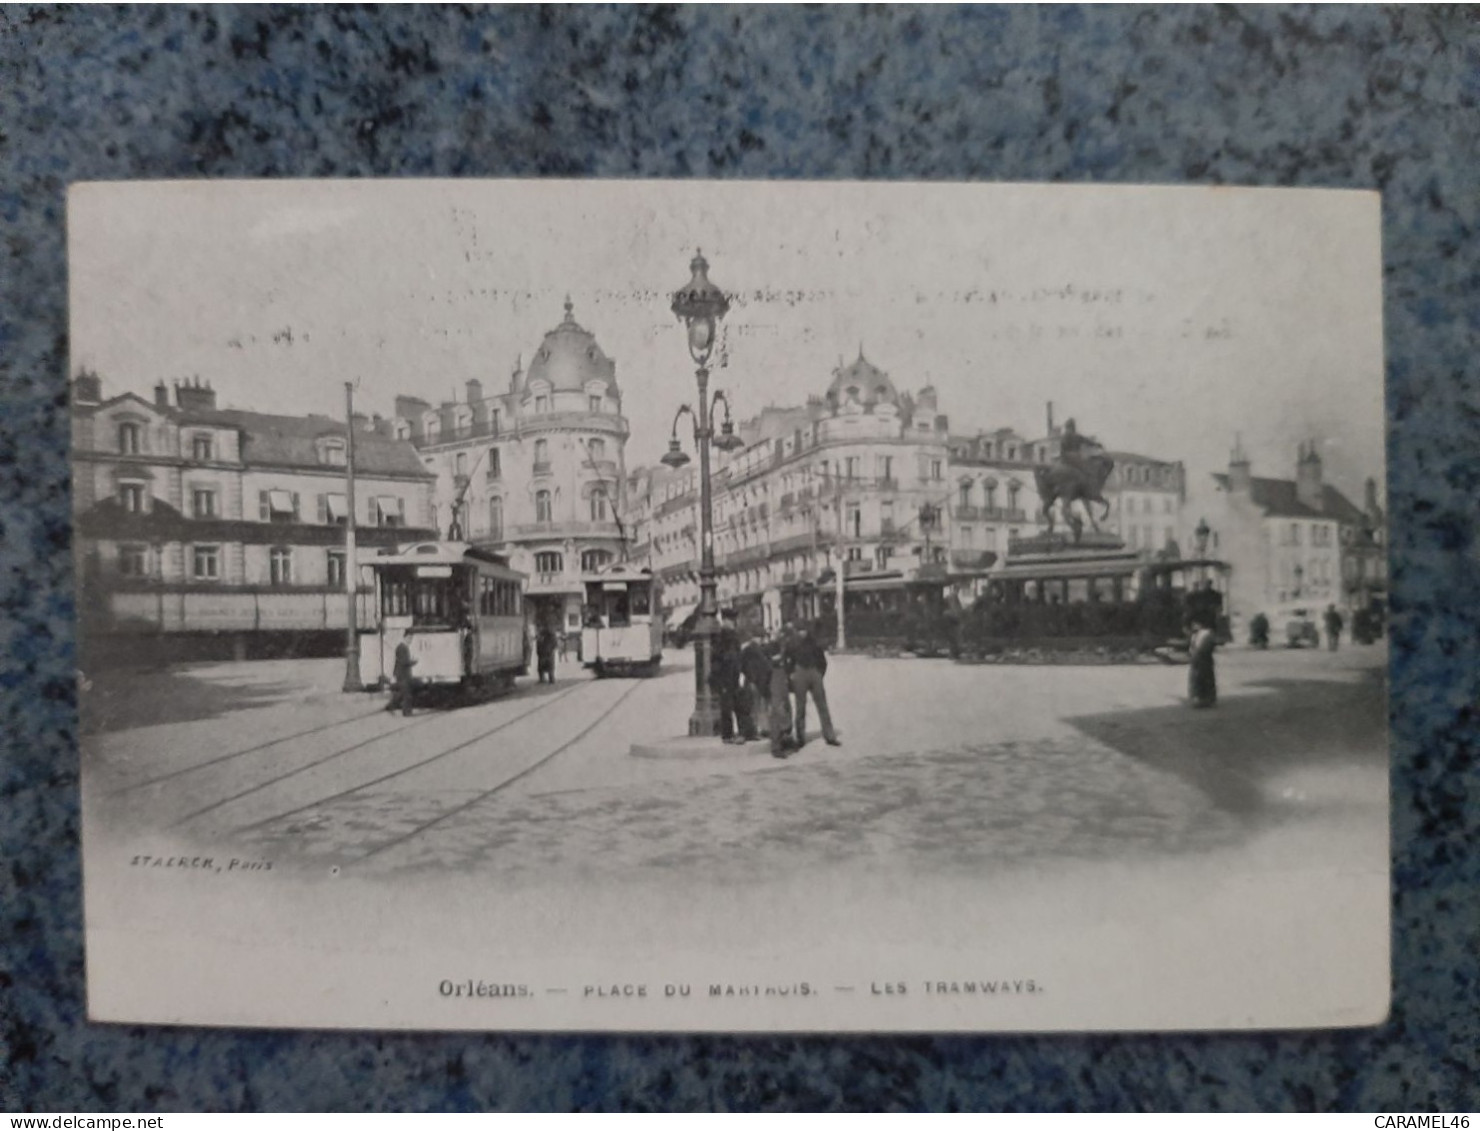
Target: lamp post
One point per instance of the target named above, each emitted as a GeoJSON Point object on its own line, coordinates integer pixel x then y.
{"type": "Point", "coordinates": [1200, 538]}
{"type": "Point", "coordinates": [700, 305]}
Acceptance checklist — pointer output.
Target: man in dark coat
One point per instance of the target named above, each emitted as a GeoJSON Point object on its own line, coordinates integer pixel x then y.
{"type": "Point", "coordinates": [724, 677]}
{"type": "Point", "coordinates": [807, 663]}
{"type": "Point", "coordinates": [1334, 625]}
{"type": "Point", "coordinates": [544, 646]}
{"type": "Point", "coordinates": [755, 667]}
{"type": "Point", "coordinates": [778, 701]}
{"type": "Point", "coordinates": [401, 679]}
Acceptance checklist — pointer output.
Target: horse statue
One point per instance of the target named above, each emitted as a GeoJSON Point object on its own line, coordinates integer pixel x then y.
{"type": "Point", "coordinates": [1071, 480]}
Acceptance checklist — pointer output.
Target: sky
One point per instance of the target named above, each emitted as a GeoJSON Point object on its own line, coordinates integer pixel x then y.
{"type": "Point", "coordinates": [1166, 321]}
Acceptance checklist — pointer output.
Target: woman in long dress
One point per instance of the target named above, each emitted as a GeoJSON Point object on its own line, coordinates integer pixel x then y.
{"type": "Point", "coordinates": [1202, 682]}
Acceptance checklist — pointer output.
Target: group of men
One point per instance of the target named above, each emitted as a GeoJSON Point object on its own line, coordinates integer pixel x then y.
{"type": "Point", "coordinates": [769, 678]}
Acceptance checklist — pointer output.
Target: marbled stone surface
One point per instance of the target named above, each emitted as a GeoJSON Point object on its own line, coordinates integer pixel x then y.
{"type": "Point", "coordinates": [1370, 97]}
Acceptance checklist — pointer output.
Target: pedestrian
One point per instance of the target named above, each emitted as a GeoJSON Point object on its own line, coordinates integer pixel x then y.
{"type": "Point", "coordinates": [401, 679]}
{"type": "Point", "coordinates": [565, 643]}
{"type": "Point", "coordinates": [724, 678]}
{"type": "Point", "coordinates": [807, 663]}
{"type": "Point", "coordinates": [778, 701]}
{"type": "Point", "coordinates": [755, 668]}
{"type": "Point", "coordinates": [1259, 631]}
{"type": "Point", "coordinates": [544, 646]}
{"type": "Point", "coordinates": [1334, 625]}
{"type": "Point", "coordinates": [1202, 682]}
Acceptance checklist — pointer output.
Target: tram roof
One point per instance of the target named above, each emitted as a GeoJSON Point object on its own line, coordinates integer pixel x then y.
{"type": "Point", "coordinates": [618, 571]}
{"type": "Point", "coordinates": [1047, 568]}
{"type": "Point", "coordinates": [444, 553]}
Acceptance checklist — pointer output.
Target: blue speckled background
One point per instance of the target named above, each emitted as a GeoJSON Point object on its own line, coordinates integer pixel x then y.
{"type": "Point", "coordinates": [1368, 97]}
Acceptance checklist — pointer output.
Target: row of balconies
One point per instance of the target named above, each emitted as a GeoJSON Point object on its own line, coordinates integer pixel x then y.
{"type": "Point", "coordinates": [611, 423]}
{"type": "Point", "coordinates": [989, 514]}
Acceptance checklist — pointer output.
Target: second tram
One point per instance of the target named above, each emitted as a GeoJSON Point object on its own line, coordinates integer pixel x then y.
{"type": "Point", "coordinates": [622, 622]}
{"type": "Point", "coordinates": [459, 608]}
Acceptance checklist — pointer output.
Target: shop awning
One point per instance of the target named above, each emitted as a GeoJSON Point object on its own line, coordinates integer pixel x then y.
{"type": "Point", "coordinates": [338, 507]}
{"type": "Point", "coordinates": [389, 505]}
{"type": "Point", "coordinates": [280, 502]}
{"type": "Point", "coordinates": [680, 613]}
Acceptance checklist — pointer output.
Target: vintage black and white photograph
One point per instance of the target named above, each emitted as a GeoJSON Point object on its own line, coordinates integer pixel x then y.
{"type": "Point", "coordinates": [731, 606]}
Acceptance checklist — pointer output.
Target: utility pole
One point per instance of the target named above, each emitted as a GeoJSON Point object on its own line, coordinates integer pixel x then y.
{"type": "Point", "coordinates": [842, 563]}
{"type": "Point", "coordinates": [352, 680]}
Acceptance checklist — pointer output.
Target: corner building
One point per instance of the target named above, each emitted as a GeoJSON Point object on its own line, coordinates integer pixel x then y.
{"type": "Point", "coordinates": [536, 472]}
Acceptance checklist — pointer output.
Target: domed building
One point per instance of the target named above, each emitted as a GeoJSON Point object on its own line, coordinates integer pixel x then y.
{"type": "Point", "coordinates": [536, 473]}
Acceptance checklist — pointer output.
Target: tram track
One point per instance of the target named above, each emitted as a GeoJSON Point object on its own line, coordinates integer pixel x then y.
{"type": "Point", "coordinates": [361, 786]}
{"type": "Point", "coordinates": [219, 759]}
{"type": "Point", "coordinates": [484, 795]}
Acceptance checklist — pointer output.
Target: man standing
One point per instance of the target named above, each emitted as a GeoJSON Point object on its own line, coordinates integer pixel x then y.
{"type": "Point", "coordinates": [755, 666]}
{"type": "Point", "coordinates": [807, 663]}
{"type": "Point", "coordinates": [778, 701]}
{"type": "Point", "coordinates": [1334, 625]}
{"type": "Point", "coordinates": [401, 679]}
{"type": "Point", "coordinates": [724, 678]}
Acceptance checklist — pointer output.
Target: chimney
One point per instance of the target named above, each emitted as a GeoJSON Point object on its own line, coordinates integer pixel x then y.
{"type": "Point", "coordinates": [162, 395]}
{"type": "Point", "coordinates": [1240, 473]}
{"type": "Point", "coordinates": [1308, 487]}
{"type": "Point", "coordinates": [193, 396]}
{"type": "Point", "coordinates": [87, 387]}
{"type": "Point", "coordinates": [1050, 418]}
{"type": "Point", "coordinates": [475, 390]}
{"type": "Point", "coordinates": [381, 426]}
{"type": "Point", "coordinates": [1371, 505]}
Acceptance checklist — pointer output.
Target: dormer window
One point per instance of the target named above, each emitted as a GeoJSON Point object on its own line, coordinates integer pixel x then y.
{"type": "Point", "coordinates": [130, 438]}
{"type": "Point", "coordinates": [598, 450]}
{"type": "Point", "coordinates": [202, 449]}
{"type": "Point", "coordinates": [332, 452]}
{"type": "Point", "coordinates": [593, 402]}
{"type": "Point", "coordinates": [542, 404]}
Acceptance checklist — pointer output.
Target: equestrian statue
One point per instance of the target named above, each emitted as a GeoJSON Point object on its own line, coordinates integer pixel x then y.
{"type": "Point", "coordinates": [1078, 475]}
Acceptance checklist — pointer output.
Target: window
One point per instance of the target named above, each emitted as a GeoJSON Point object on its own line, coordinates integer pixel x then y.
{"type": "Point", "coordinates": [542, 404]}
{"type": "Point", "coordinates": [542, 509]}
{"type": "Point", "coordinates": [336, 569]}
{"type": "Point", "coordinates": [496, 518]}
{"type": "Point", "coordinates": [851, 465]}
{"type": "Point", "coordinates": [935, 470]}
{"type": "Point", "coordinates": [541, 456]}
{"type": "Point", "coordinates": [205, 562]}
{"type": "Point", "coordinates": [460, 465]}
{"type": "Point", "coordinates": [332, 452]}
{"type": "Point", "coordinates": [1012, 496]}
{"type": "Point", "coordinates": [133, 561]}
{"type": "Point", "coordinates": [855, 521]}
{"type": "Point", "coordinates": [495, 421]}
{"type": "Point", "coordinates": [495, 467]}
{"type": "Point", "coordinates": [967, 536]}
{"type": "Point", "coordinates": [280, 565]}
{"type": "Point", "coordinates": [989, 491]}
{"type": "Point", "coordinates": [203, 502]}
{"type": "Point", "coordinates": [388, 510]}
{"type": "Point", "coordinates": [882, 556]}
{"type": "Point", "coordinates": [1294, 534]}
{"type": "Point", "coordinates": [548, 561]}
{"type": "Point", "coordinates": [333, 509]}
{"type": "Point", "coordinates": [277, 506]}
{"type": "Point", "coordinates": [1166, 506]}
{"type": "Point", "coordinates": [592, 560]}
{"type": "Point", "coordinates": [593, 402]}
{"type": "Point", "coordinates": [131, 497]}
{"type": "Point", "coordinates": [130, 438]}
{"type": "Point", "coordinates": [886, 467]}
{"type": "Point", "coordinates": [598, 506]}
{"type": "Point", "coordinates": [201, 449]}
{"type": "Point", "coordinates": [598, 450]}
{"type": "Point", "coordinates": [965, 494]}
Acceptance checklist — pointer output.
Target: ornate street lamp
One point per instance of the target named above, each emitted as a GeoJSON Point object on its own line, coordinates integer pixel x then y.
{"type": "Point", "coordinates": [700, 305]}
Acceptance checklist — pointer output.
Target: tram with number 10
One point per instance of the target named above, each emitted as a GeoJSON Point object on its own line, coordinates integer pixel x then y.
{"type": "Point", "coordinates": [458, 607]}
{"type": "Point", "coordinates": [622, 621]}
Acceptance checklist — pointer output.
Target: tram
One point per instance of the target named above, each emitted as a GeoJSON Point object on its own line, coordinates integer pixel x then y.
{"type": "Point", "coordinates": [461, 610]}
{"type": "Point", "coordinates": [622, 621]}
{"type": "Point", "coordinates": [1127, 604]}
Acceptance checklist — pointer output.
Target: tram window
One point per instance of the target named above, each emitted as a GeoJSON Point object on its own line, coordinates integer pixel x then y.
{"type": "Point", "coordinates": [395, 599]}
{"type": "Point", "coordinates": [641, 605]}
{"type": "Point", "coordinates": [617, 614]}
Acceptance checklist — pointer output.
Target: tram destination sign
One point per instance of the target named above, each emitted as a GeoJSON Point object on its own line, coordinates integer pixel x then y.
{"type": "Point", "coordinates": [848, 607]}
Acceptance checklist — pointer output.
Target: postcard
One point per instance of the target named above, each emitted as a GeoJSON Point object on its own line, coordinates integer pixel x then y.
{"type": "Point", "coordinates": [730, 606]}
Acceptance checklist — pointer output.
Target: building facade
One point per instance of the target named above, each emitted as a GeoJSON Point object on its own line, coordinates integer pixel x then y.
{"type": "Point", "coordinates": [536, 472]}
{"type": "Point", "coordinates": [1293, 542]}
{"type": "Point", "coordinates": [196, 519]}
